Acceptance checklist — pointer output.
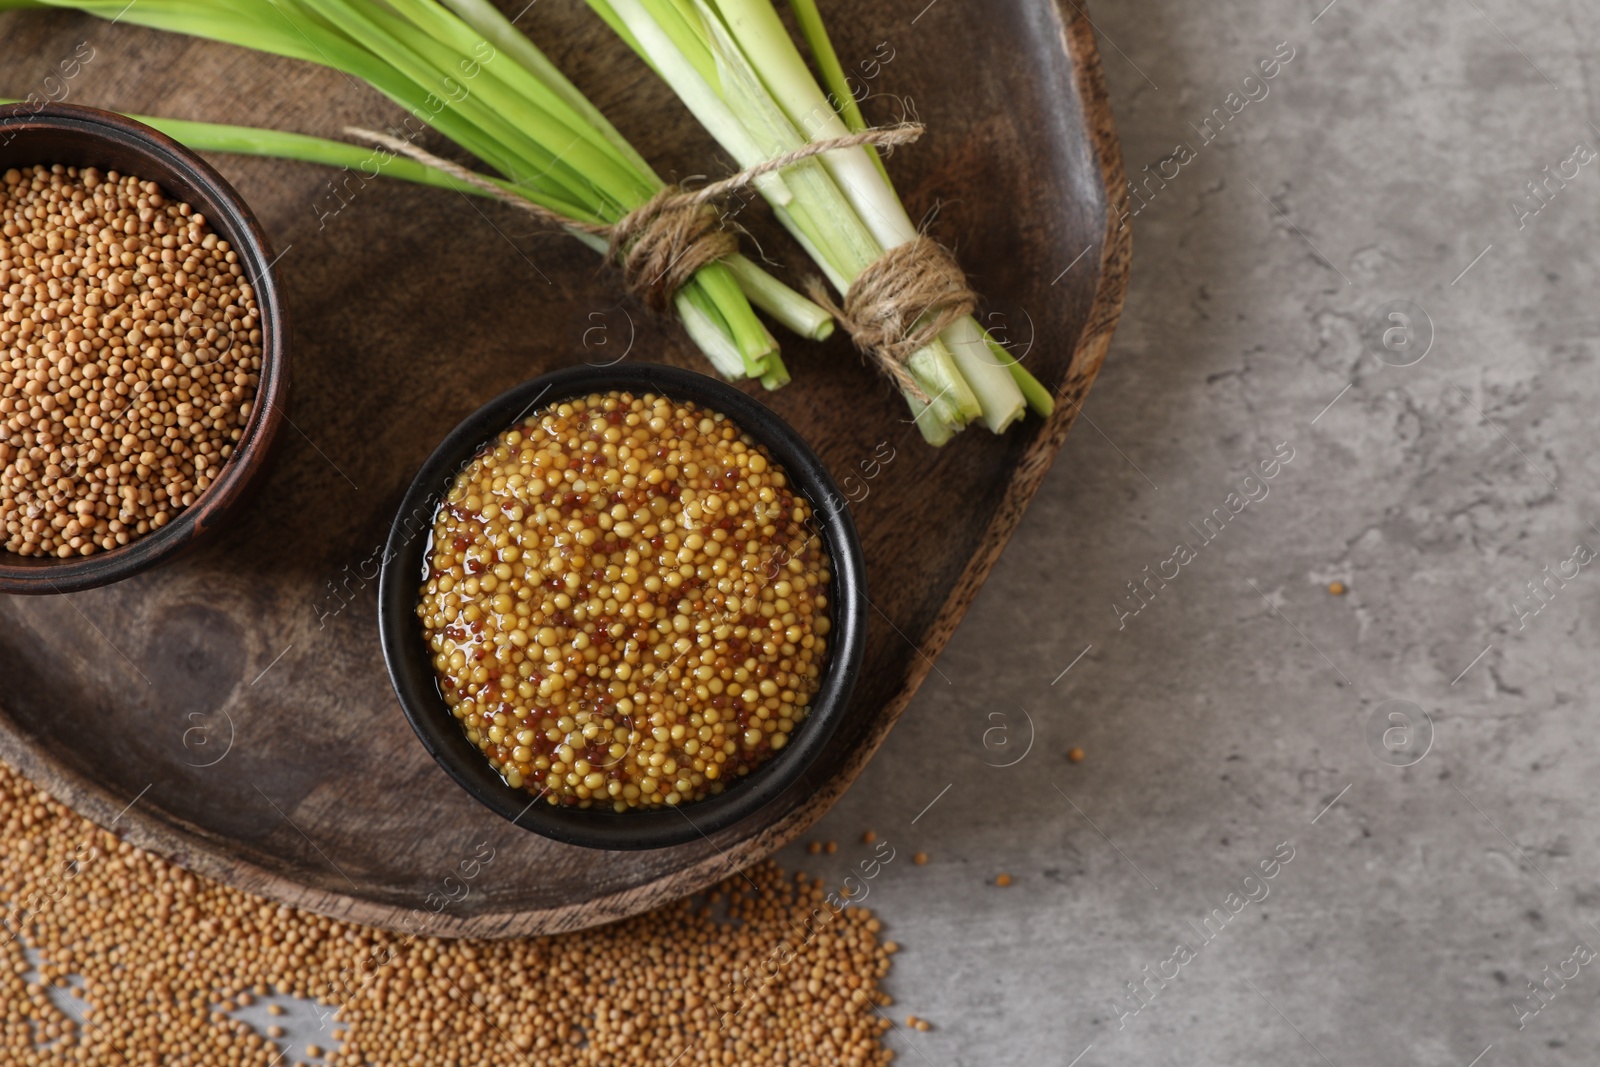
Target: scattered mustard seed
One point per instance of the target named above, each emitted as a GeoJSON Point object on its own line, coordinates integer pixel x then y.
{"type": "Point", "coordinates": [275, 1031]}
{"type": "Point", "coordinates": [831, 847]}
{"type": "Point", "coordinates": [1336, 588]}
{"type": "Point", "coordinates": [868, 838]}
{"type": "Point", "coordinates": [920, 858]}
{"type": "Point", "coordinates": [158, 949]}
{"type": "Point", "coordinates": [1002, 880]}
{"type": "Point", "coordinates": [1074, 755]}
{"type": "Point", "coordinates": [275, 1009]}
{"type": "Point", "coordinates": [814, 847]}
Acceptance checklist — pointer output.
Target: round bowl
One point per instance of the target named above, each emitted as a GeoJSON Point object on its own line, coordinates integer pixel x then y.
{"type": "Point", "coordinates": [85, 137]}
{"type": "Point", "coordinates": [411, 667]}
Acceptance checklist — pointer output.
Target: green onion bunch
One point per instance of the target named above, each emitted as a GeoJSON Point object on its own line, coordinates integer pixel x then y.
{"type": "Point", "coordinates": [734, 65]}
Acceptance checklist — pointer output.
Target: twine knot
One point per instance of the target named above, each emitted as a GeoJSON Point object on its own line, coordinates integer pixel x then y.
{"type": "Point", "coordinates": [899, 304]}
{"type": "Point", "coordinates": [660, 244]}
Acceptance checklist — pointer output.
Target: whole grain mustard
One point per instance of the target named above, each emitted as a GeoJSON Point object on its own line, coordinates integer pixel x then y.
{"type": "Point", "coordinates": [626, 603]}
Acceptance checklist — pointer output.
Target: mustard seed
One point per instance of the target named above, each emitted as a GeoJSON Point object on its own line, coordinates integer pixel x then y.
{"type": "Point", "coordinates": [625, 603]}
{"type": "Point", "coordinates": [130, 354]}
{"type": "Point", "coordinates": [650, 991]}
{"type": "Point", "coordinates": [1074, 755]}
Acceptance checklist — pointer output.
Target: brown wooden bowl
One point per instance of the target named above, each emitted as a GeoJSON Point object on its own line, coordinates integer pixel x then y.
{"type": "Point", "coordinates": [232, 712]}
{"type": "Point", "coordinates": [86, 137]}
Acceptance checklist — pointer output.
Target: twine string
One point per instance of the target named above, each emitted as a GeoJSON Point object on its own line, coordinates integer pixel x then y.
{"type": "Point", "coordinates": [661, 243]}
{"type": "Point", "coordinates": [895, 307]}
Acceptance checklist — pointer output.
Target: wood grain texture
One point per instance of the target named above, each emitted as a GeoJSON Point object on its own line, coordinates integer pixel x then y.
{"type": "Point", "coordinates": [230, 711]}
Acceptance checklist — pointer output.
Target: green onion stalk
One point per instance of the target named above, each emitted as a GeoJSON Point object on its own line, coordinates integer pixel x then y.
{"type": "Point", "coordinates": [734, 65]}
{"type": "Point", "coordinates": [461, 68]}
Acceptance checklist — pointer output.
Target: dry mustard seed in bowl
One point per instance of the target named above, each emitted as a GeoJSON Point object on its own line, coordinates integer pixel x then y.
{"type": "Point", "coordinates": [641, 609]}
{"type": "Point", "coordinates": [625, 602]}
{"type": "Point", "coordinates": [143, 349]}
{"type": "Point", "coordinates": [130, 352]}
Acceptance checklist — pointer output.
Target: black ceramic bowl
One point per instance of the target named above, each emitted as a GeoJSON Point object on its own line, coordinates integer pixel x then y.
{"type": "Point", "coordinates": [410, 664]}
{"type": "Point", "coordinates": [85, 137]}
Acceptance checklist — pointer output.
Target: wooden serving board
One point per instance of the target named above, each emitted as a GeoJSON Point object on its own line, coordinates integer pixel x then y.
{"type": "Point", "coordinates": [230, 710]}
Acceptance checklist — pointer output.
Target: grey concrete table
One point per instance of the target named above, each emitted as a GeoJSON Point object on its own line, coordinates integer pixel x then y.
{"type": "Point", "coordinates": [1349, 267]}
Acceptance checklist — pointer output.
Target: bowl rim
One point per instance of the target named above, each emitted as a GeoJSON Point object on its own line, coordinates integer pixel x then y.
{"type": "Point", "coordinates": [234, 222]}
{"type": "Point", "coordinates": [411, 671]}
